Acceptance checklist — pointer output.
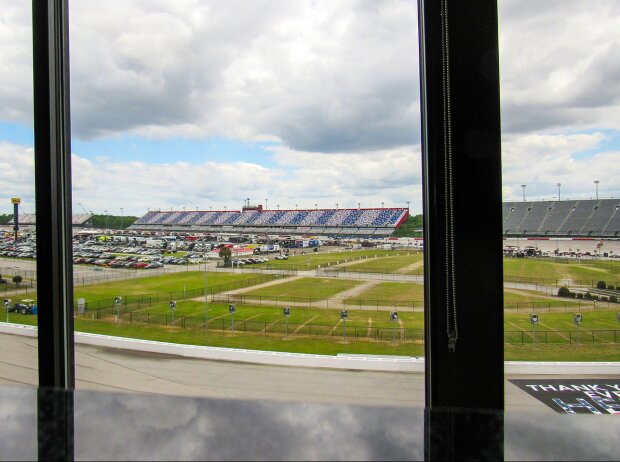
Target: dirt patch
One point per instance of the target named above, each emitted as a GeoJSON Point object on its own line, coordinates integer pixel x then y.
{"type": "Point", "coordinates": [413, 266]}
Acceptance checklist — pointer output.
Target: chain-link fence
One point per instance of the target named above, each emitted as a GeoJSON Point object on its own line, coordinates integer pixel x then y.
{"type": "Point", "coordinates": [562, 337]}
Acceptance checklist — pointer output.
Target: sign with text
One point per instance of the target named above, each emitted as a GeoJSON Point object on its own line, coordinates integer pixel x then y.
{"type": "Point", "coordinates": [575, 396]}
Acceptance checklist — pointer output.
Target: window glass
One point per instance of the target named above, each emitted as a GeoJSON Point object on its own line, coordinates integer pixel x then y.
{"type": "Point", "coordinates": [268, 152]}
{"type": "Point", "coordinates": [560, 142]}
{"type": "Point", "coordinates": [18, 281]}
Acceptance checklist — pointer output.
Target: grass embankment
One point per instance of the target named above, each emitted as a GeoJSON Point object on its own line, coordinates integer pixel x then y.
{"type": "Point", "coordinates": [550, 271]}
{"type": "Point", "coordinates": [402, 264]}
{"type": "Point", "coordinates": [185, 282]}
{"type": "Point", "coordinates": [300, 262]}
{"type": "Point", "coordinates": [332, 346]}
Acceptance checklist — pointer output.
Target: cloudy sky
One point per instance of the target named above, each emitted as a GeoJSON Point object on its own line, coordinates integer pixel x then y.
{"type": "Point", "coordinates": [202, 104]}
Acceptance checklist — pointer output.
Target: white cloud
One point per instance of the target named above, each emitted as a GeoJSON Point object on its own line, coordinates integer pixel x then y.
{"type": "Point", "coordinates": [17, 176]}
{"type": "Point", "coordinates": [542, 161]}
{"type": "Point", "coordinates": [298, 178]}
{"type": "Point", "coordinates": [327, 79]}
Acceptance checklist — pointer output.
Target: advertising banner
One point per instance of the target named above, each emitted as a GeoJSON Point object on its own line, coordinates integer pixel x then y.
{"type": "Point", "coordinates": [575, 396]}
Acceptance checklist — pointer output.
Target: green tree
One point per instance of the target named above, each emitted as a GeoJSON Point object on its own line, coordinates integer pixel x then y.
{"type": "Point", "coordinates": [17, 279]}
{"type": "Point", "coordinates": [226, 254]}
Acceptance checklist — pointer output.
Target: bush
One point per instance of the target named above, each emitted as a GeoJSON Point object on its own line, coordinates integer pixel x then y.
{"type": "Point", "coordinates": [595, 298]}
{"type": "Point", "coordinates": [587, 296]}
{"type": "Point", "coordinates": [610, 287]}
{"type": "Point", "coordinates": [17, 279]}
{"type": "Point", "coordinates": [580, 295]}
{"type": "Point", "coordinates": [564, 292]}
{"type": "Point", "coordinates": [613, 299]}
{"type": "Point", "coordinates": [601, 285]}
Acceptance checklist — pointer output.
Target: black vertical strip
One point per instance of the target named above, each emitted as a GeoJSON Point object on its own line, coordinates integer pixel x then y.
{"type": "Point", "coordinates": [462, 203]}
{"type": "Point", "coordinates": [55, 423]}
{"type": "Point", "coordinates": [53, 192]}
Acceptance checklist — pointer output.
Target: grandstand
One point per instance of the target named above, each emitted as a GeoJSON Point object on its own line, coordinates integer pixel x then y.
{"type": "Point", "coordinates": [576, 218]}
{"type": "Point", "coordinates": [254, 220]}
{"type": "Point", "coordinates": [30, 219]}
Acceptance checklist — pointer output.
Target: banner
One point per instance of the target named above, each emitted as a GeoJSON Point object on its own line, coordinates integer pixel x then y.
{"type": "Point", "coordinates": [574, 396]}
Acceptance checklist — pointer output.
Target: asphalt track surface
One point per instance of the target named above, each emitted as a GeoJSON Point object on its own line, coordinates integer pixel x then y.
{"type": "Point", "coordinates": [119, 370]}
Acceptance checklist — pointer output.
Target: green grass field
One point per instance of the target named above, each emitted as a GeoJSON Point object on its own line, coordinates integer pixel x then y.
{"type": "Point", "coordinates": [407, 264]}
{"type": "Point", "coordinates": [182, 285]}
{"type": "Point", "coordinates": [319, 330]}
{"type": "Point", "coordinates": [314, 288]}
{"type": "Point", "coordinates": [593, 337]}
{"type": "Point", "coordinates": [300, 262]}
{"type": "Point", "coordinates": [550, 271]}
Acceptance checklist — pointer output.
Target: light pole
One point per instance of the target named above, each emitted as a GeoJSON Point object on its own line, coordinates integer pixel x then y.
{"type": "Point", "coordinates": [295, 206]}
{"type": "Point", "coordinates": [559, 197]}
{"type": "Point", "coordinates": [359, 206]}
{"type": "Point", "coordinates": [316, 206]}
{"type": "Point", "coordinates": [381, 204]}
{"type": "Point", "coordinates": [266, 202]}
{"type": "Point", "coordinates": [407, 206]}
{"type": "Point", "coordinates": [106, 219]}
{"type": "Point", "coordinates": [122, 218]}
{"type": "Point", "coordinates": [206, 299]}
{"type": "Point", "coordinates": [596, 183]}
{"type": "Point", "coordinates": [523, 186]}
{"type": "Point", "coordinates": [278, 205]}
{"type": "Point", "coordinates": [336, 205]}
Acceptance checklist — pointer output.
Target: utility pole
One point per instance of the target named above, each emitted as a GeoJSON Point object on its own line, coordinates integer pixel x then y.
{"type": "Point", "coordinates": [523, 186]}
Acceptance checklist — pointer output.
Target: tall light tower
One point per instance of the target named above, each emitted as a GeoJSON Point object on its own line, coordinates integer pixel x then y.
{"type": "Point", "coordinates": [266, 202]}
{"type": "Point", "coordinates": [106, 219]}
{"type": "Point", "coordinates": [559, 185]}
{"type": "Point", "coordinates": [122, 219]}
{"type": "Point", "coordinates": [524, 186]}
{"type": "Point", "coordinates": [408, 206]}
{"type": "Point", "coordinates": [596, 183]}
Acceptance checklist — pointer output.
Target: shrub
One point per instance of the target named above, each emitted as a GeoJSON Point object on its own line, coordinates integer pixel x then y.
{"type": "Point", "coordinates": [601, 285]}
{"type": "Point", "coordinates": [613, 299]}
{"type": "Point", "coordinates": [587, 295]}
{"type": "Point", "coordinates": [580, 295]}
{"type": "Point", "coordinates": [17, 279]}
{"type": "Point", "coordinates": [595, 298]}
{"type": "Point", "coordinates": [564, 292]}
{"type": "Point", "coordinates": [610, 287]}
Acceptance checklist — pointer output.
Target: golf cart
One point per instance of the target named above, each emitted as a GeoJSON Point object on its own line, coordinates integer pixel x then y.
{"type": "Point", "coordinates": [26, 306]}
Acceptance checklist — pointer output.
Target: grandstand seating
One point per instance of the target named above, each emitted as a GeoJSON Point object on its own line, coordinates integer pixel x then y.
{"type": "Point", "coordinates": [325, 221]}
{"type": "Point", "coordinates": [601, 214]}
{"type": "Point", "coordinates": [613, 225]}
{"type": "Point", "coordinates": [79, 219]}
{"type": "Point", "coordinates": [577, 217]}
{"type": "Point", "coordinates": [581, 218]}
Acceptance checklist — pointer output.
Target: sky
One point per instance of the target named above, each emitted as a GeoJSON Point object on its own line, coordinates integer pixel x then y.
{"type": "Point", "coordinates": [194, 104]}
